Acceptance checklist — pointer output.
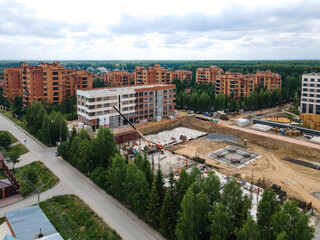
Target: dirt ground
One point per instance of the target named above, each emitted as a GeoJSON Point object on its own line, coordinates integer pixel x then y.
{"type": "Point", "coordinates": [298, 181]}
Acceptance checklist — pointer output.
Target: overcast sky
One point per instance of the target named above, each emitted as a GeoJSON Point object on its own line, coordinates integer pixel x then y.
{"type": "Point", "coordinates": [159, 30]}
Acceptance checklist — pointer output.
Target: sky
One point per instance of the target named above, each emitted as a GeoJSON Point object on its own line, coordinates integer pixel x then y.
{"type": "Point", "coordinates": [159, 30]}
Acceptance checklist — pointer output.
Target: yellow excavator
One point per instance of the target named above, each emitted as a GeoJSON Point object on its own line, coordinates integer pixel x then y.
{"type": "Point", "coordinates": [152, 145]}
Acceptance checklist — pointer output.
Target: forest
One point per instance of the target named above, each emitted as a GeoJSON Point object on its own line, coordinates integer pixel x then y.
{"type": "Point", "coordinates": [192, 207]}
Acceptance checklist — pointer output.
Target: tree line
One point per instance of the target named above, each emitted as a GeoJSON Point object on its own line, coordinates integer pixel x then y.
{"type": "Point", "coordinates": [192, 207]}
{"type": "Point", "coordinates": [46, 124]}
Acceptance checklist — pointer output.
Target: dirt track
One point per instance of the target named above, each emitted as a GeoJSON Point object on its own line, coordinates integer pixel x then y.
{"type": "Point", "coordinates": [298, 181]}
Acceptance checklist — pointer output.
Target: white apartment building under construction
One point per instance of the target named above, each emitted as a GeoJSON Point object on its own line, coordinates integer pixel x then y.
{"type": "Point", "coordinates": [95, 106]}
{"type": "Point", "coordinates": [310, 93]}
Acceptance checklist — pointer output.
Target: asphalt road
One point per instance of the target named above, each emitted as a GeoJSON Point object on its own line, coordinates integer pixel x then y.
{"type": "Point", "coordinates": [111, 211]}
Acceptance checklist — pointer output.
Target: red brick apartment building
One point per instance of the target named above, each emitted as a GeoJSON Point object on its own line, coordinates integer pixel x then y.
{"type": "Point", "coordinates": [46, 82]}
{"type": "Point", "coordinates": [236, 83]}
{"type": "Point", "coordinates": [152, 75]}
{"type": "Point", "coordinates": [118, 78]}
{"type": "Point", "coordinates": [182, 75]}
{"type": "Point", "coordinates": [135, 102]}
{"type": "Point", "coordinates": [208, 75]}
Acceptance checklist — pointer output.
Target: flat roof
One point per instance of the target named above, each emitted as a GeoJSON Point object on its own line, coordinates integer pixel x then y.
{"type": "Point", "coordinates": [311, 74]}
{"type": "Point", "coordinates": [112, 89]}
{"type": "Point", "coordinates": [26, 224]}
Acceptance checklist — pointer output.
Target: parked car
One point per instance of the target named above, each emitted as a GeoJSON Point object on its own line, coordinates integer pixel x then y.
{"type": "Point", "coordinates": [190, 112]}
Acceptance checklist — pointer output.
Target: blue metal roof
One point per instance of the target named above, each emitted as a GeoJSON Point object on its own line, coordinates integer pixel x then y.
{"type": "Point", "coordinates": [26, 223]}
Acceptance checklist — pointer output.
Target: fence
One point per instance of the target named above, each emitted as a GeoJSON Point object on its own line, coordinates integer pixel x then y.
{"type": "Point", "coordinates": [11, 190]}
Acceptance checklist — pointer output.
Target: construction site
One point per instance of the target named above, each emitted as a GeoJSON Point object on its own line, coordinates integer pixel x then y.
{"type": "Point", "coordinates": [249, 155]}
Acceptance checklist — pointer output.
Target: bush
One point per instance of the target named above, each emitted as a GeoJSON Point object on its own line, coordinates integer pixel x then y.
{"type": "Point", "coordinates": [5, 140]}
{"type": "Point", "coordinates": [71, 116]}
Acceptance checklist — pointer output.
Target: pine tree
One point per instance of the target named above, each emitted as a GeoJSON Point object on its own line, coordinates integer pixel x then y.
{"type": "Point", "coordinates": [116, 176]}
{"type": "Point", "coordinates": [154, 207]}
{"type": "Point", "coordinates": [168, 215]}
{"type": "Point", "coordinates": [159, 182]}
{"type": "Point", "coordinates": [211, 186]}
{"type": "Point", "coordinates": [182, 185]}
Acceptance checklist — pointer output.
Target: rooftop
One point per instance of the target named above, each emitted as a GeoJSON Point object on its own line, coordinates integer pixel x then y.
{"type": "Point", "coordinates": [112, 89]}
{"type": "Point", "coordinates": [26, 224]}
{"type": "Point", "coordinates": [311, 74]}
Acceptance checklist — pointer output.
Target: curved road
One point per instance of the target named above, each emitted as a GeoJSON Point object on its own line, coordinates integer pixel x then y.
{"type": "Point", "coordinates": [128, 225]}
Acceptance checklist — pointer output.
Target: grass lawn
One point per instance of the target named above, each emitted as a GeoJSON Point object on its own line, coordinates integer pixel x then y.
{"type": "Point", "coordinates": [13, 139]}
{"type": "Point", "coordinates": [20, 148]}
{"type": "Point", "coordinates": [68, 213]}
{"type": "Point", "coordinates": [8, 114]}
{"type": "Point", "coordinates": [2, 220]}
{"type": "Point", "coordinates": [38, 174]}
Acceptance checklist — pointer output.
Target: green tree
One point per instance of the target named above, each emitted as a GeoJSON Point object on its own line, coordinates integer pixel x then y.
{"type": "Point", "coordinates": [268, 205]}
{"type": "Point", "coordinates": [34, 117]}
{"type": "Point", "coordinates": [195, 175]}
{"type": "Point", "coordinates": [211, 186]}
{"type": "Point", "coordinates": [233, 201]}
{"type": "Point", "coordinates": [103, 148]}
{"type": "Point", "coordinates": [182, 185]}
{"type": "Point", "coordinates": [220, 222]}
{"type": "Point", "coordinates": [99, 176]}
{"type": "Point", "coordinates": [141, 192]}
{"type": "Point", "coordinates": [83, 160]}
{"type": "Point", "coordinates": [289, 220]}
{"type": "Point", "coordinates": [5, 140]}
{"type": "Point", "coordinates": [97, 83]}
{"type": "Point", "coordinates": [169, 210]}
{"type": "Point", "coordinates": [154, 207]}
{"type": "Point", "coordinates": [117, 176]}
{"type": "Point", "coordinates": [17, 106]}
{"type": "Point", "coordinates": [193, 218]}
{"type": "Point", "coordinates": [63, 150]}
{"type": "Point", "coordinates": [296, 100]}
{"type": "Point", "coordinates": [249, 231]}
{"type": "Point", "coordinates": [128, 185]}
{"type": "Point", "coordinates": [159, 182]}
{"type": "Point", "coordinates": [144, 165]}
{"type": "Point", "coordinates": [219, 103]}
{"type": "Point", "coordinates": [74, 150]}
{"type": "Point", "coordinates": [13, 157]}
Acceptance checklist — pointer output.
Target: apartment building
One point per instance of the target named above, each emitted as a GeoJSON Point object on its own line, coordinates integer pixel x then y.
{"type": "Point", "coordinates": [235, 84]}
{"type": "Point", "coordinates": [118, 78]}
{"type": "Point", "coordinates": [46, 82]}
{"type": "Point", "coordinates": [95, 106]}
{"type": "Point", "coordinates": [310, 93]}
{"type": "Point", "coordinates": [268, 79]}
{"type": "Point", "coordinates": [182, 75]}
{"type": "Point", "coordinates": [12, 86]}
{"type": "Point", "coordinates": [152, 75]}
{"type": "Point", "coordinates": [208, 75]}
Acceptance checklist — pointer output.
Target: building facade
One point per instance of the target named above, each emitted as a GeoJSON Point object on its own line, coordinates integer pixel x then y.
{"type": "Point", "coordinates": [95, 107]}
{"type": "Point", "coordinates": [268, 79]}
{"type": "Point", "coordinates": [310, 93]}
{"type": "Point", "coordinates": [152, 75]}
{"type": "Point", "coordinates": [235, 84]}
{"type": "Point", "coordinates": [118, 79]}
{"type": "Point", "coordinates": [12, 86]}
{"type": "Point", "coordinates": [46, 82]}
{"type": "Point", "coordinates": [182, 75]}
{"type": "Point", "coordinates": [208, 75]}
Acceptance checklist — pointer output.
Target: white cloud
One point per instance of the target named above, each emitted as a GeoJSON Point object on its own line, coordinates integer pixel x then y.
{"type": "Point", "coordinates": [204, 29]}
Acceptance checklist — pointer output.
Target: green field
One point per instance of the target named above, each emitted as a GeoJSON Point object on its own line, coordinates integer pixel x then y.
{"type": "Point", "coordinates": [20, 148]}
{"type": "Point", "coordinates": [33, 175]}
{"type": "Point", "coordinates": [71, 217]}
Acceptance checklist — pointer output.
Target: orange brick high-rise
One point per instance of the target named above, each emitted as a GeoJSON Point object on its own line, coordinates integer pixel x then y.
{"type": "Point", "coordinates": [46, 82]}
{"type": "Point", "coordinates": [152, 75]}
{"type": "Point", "coordinates": [182, 75]}
{"type": "Point", "coordinates": [118, 78]}
{"type": "Point", "coordinates": [237, 84]}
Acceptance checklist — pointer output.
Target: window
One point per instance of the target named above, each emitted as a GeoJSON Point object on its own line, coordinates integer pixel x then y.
{"type": "Point", "coordinates": [305, 79]}
{"type": "Point", "coordinates": [56, 99]}
{"type": "Point", "coordinates": [312, 80]}
{"type": "Point", "coordinates": [44, 73]}
{"type": "Point", "coordinates": [55, 78]}
{"type": "Point", "coordinates": [56, 94]}
{"type": "Point", "coordinates": [55, 83]}
{"type": "Point", "coordinates": [55, 88]}
{"type": "Point", "coordinates": [45, 84]}
{"type": "Point", "coordinates": [44, 89]}
{"type": "Point", "coordinates": [55, 73]}
{"type": "Point", "coordinates": [44, 79]}
{"type": "Point", "coordinates": [45, 94]}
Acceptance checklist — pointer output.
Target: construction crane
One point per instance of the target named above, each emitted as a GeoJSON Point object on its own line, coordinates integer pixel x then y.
{"type": "Point", "coordinates": [152, 145]}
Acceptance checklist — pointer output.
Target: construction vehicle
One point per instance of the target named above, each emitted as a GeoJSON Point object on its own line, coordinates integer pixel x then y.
{"type": "Point", "coordinates": [232, 160]}
{"type": "Point", "coordinates": [152, 145]}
